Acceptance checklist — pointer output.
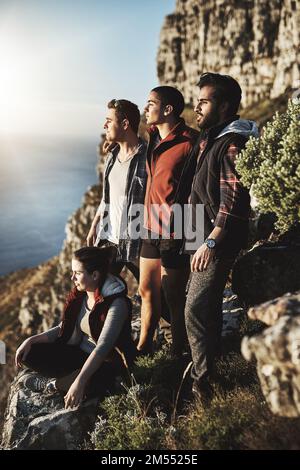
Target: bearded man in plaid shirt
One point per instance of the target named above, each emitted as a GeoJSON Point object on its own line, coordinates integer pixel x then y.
{"type": "Point", "coordinates": [226, 205]}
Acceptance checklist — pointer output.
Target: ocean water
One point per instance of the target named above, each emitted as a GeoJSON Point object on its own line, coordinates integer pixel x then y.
{"type": "Point", "coordinates": [42, 181]}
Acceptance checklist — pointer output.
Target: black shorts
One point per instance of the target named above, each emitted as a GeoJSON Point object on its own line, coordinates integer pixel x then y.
{"type": "Point", "coordinates": [167, 250]}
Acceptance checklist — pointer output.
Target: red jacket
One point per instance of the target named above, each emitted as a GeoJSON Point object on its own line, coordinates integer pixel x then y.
{"type": "Point", "coordinates": [166, 161]}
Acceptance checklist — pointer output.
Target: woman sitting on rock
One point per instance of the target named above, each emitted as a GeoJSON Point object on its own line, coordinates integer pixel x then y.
{"type": "Point", "coordinates": [92, 344]}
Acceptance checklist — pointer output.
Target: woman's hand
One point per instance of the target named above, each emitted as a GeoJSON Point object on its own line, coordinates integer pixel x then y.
{"type": "Point", "coordinates": [22, 352]}
{"type": "Point", "coordinates": [75, 394]}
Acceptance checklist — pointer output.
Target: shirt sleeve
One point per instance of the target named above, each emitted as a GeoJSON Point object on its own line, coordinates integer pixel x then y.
{"type": "Point", "coordinates": [53, 333]}
{"type": "Point", "coordinates": [234, 198]}
{"type": "Point", "coordinates": [114, 322]}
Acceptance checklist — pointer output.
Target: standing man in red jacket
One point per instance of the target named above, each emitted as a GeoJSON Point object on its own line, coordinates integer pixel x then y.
{"type": "Point", "coordinates": [161, 264]}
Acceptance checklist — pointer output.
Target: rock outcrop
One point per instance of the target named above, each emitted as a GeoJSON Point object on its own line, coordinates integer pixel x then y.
{"type": "Point", "coordinates": [277, 353]}
{"type": "Point", "coordinates": [256, 42]}
{"type": "Point", "coordinates": [270, 312]}
{"type": "Point", "coordinates": [34, 421]}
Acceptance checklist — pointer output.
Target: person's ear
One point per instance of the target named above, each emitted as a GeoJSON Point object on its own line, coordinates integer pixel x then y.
{"type": "Point", "coordinates": [125, 124]}
{"type": "Point", "coordinates": [168, 110]}
{"type": "Point", "coordinates": [224, 108]}
{"type": "Point", "coordinates": [96, 276]}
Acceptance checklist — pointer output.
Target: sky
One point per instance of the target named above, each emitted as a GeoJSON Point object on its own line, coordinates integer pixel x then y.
{"type": "Point", "coordinates": [61, 61]}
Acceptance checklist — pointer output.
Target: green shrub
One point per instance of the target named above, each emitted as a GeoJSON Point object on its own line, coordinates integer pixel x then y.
{"type": "Point", "coordinates": [236, 420]}
{"type": "Point", "coordinates": [221, 425]}
{"type": "Point", "coordinates": [234, 371]}
{"type": "Point", "coordinates": [270, 165]}
{"type": "Point", "coordinates": [131, 421]}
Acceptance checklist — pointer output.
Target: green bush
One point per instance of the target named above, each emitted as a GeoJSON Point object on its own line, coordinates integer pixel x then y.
{"type": "Point", "coordinates": [221, 426]}
{"type": "Point", "coordinates": [131, 421]}
{"type": "Point", "coordinates": [270, 165]}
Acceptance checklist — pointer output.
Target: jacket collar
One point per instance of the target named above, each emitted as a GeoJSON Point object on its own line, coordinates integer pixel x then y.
{"type": "Point", "coordinates": [75, 294]}
{"type": "Point", "coordinates": [99, 297]}
{"type": "Point", "coordinates": [175, 131]}
{"type": "Point", "coordinates": [213, 132]}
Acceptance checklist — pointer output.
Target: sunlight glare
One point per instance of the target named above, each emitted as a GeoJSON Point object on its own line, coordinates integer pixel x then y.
{"type": "Point", "coordinates": [16, 87]}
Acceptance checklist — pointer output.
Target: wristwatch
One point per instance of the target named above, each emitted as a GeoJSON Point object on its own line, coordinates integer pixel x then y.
{"type": "Point", "coordinates": [210, 243]}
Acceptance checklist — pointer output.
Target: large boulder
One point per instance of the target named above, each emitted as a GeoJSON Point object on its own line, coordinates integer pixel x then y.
{"type": "Point", "coordinates": [277, 353]}
{"type": "Point", "coordinates": [270, 312]}
{"type": "Point", "coordinates": [38, 422]}
{"type": "Point", "coordinates": [265, 272]}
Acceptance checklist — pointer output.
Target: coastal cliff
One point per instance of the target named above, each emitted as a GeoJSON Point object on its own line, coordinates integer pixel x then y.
{"type": "Point", "coordinates": [257, 42]}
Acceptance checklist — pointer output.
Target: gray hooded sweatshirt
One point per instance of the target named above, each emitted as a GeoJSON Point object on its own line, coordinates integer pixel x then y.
{"type": "Point", "coordinates": [244, 127]}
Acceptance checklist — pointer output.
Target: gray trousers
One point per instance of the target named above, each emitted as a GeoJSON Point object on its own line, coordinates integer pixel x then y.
{"type": "Point", "coordinates": [203, 315]}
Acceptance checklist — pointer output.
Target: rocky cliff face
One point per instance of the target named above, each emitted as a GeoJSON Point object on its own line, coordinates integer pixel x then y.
{"type": "Point", "coordinates": [255, 41]}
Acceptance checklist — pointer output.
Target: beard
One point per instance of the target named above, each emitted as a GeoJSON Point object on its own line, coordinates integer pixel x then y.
{"type": "Point", "coordinates": [209, 121]}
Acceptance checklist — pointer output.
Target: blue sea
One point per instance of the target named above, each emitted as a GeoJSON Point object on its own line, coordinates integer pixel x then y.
{"type": "Point", "coordinates": [42, 181]}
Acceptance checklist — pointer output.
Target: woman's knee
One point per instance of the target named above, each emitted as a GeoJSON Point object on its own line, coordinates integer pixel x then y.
{"type": "Point", "coordinates": [37, 356]}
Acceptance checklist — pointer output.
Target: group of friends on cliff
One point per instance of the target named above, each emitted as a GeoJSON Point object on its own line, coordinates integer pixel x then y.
{"type": "Point", "coordinates": [179, 174]}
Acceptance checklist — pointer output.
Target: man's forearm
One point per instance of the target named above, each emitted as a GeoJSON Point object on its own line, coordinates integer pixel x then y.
{"type": "Point", "coordinates": [217, 234]}
{"type": "Point", "coordinates": [96, 220]}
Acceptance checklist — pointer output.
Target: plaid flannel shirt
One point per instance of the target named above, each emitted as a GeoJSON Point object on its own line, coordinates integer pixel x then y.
{"type": "Point", "coordinates": [232, 203]}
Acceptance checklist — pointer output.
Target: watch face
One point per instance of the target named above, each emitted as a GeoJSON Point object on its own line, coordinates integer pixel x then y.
{"type": "Point", "coordinates": [210, 243]}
